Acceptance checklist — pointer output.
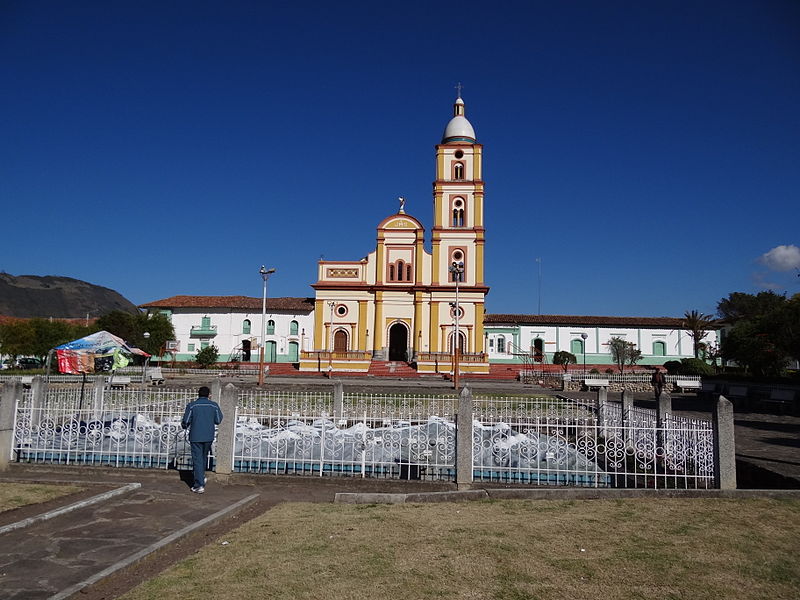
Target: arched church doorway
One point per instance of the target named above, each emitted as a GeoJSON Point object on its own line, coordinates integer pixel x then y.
{"type": "Point", "coordinates": [246, 350]}
{"type": "Point", "coordinates": [340, 341]}
{"type": "Point", "coordinates": [398, 342]}
{"type": "Point", "coordinates": [462, 342]}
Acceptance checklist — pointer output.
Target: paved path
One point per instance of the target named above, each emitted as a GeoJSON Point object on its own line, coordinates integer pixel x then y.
{"type": "Point", "coordinates": [51, 558]}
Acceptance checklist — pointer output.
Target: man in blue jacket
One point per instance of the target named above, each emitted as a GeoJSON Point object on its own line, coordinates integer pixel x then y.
{"type": "Point", "coordinates": [200, 418]}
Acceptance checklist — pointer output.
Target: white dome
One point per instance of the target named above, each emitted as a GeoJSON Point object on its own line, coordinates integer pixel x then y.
{"type": "Point", "coordinates": [458, 130]}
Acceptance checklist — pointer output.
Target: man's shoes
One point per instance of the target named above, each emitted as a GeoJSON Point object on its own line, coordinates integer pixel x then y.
{"type": "Point", "coordinates": [205, 480]}
{"type": "Point", "coordinates": [198, 489]}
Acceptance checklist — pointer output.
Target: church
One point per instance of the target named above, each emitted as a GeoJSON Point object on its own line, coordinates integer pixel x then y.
{"type": "Point", "coordinates": [405, 304]}
{"type": "Point", "coordinates": [401, 302]}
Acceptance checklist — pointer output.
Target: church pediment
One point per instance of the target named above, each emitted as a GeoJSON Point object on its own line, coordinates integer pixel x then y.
{"type": "Point", "coordinates": [400, 222]}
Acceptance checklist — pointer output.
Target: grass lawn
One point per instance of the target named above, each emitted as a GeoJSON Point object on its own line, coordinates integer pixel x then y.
{"type": "Point", "coordinates": [14, 495]}
{"type": "Point", "coordinates": [600, 549]}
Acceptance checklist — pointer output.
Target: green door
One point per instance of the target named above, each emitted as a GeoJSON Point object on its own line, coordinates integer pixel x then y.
{"type": "Point", "coordinates": [271, 354]}
{"type": "Point", "coordinates": [294, 352]}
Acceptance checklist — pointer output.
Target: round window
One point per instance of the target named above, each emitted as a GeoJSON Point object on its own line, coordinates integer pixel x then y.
{"type": "Point", "coordinates": [458, 203]}
{"type": "Point", "coordinates": [458, 255]}
{"type": "Point", "coordinates": [460, 312]}
{"type": "Point", "coordinates": [341, 310]}
{"type": "Point", "coordinates": [459, 154]}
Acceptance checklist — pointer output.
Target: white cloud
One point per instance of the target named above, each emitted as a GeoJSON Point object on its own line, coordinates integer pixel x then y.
{"type": "Point", "coordinates": [782, 258]}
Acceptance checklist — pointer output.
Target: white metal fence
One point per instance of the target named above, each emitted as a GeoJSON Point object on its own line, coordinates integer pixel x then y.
{"type": "Point", "coordinates": [126, 428]}
{"type": "Point", "coordinates": [538, 441]}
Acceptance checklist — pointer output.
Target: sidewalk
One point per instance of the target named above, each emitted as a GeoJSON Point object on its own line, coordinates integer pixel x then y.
{"type": "Point", "coordinates": [58, 557]}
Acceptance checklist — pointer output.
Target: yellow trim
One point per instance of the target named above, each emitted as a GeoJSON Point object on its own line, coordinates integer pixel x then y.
{"type": "Point", "coordinates": [433, 339]}
{"type": "Point", "coordinates": [419, 260]}
{"type": "Point", "coordinates": [440, 165]}
{"type": "Point", "coordinates": [479, 328]}
{"type": "Point", "coordinates": [435, 263]}
{"type": "Point", "coordinates": [379, 262]}
{"type": "Point", "coordinates": [437, 208]}
{"type": "Point", "coordinates": [477, 165]}
{"type": "Point", "coordinates": [319, 315]}
{"type": "Point", "coordinates": [479, 264]}
{"type": "Point", "coordinates": [417, 342]}
{"type": "Point", "coordinates": [378, 333]}
{"type": "Point", "coordinates": [362, 324]}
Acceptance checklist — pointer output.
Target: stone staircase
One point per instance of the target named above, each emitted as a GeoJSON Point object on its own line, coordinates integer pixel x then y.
{"type": "Point", "coordinates": [392, 368]}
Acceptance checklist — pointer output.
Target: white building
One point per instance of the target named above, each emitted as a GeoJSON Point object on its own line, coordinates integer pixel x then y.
{"type": "Point", "coordinates": [512, 338]}
{"type": "Point", "coordinates": [233, 324]}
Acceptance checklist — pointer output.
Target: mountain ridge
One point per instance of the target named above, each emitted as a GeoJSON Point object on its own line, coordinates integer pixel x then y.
{"type": "Point", "coordinates": [31, 296]}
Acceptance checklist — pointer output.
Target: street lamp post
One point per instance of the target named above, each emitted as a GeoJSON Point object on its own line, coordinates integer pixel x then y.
{"type": "Point", "coordinates": [583, 337]}
{"type": "Point", "coordinates": [457, 270]}
{"type": "Point", "coordinates": [265, 273]}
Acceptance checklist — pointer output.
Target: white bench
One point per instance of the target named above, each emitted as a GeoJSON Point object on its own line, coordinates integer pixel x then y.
{"type": "Point", "coordinates": [687, 384]}
{"type": "Point", "coordinates": [119, 381]}
{"type": "Point", "coordinates": [155, 376]}
{"type": "Point", "coordinates": [598, 383]}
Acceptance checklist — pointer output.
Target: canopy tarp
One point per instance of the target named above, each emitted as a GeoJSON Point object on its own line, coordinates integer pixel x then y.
{"type": "Point", "coordinates": [101, 351]}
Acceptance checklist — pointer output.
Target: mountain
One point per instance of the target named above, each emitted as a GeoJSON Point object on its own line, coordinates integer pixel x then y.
{"type": "Point", "coordinates": [30, 296]}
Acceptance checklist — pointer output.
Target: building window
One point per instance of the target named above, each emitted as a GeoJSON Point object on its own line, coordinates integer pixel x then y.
{"type": "Point", "coordinates": [246, 326]}
{"type": "Point", "coordinates": [408, 273]}
{"type": "Point", "coordinates": [458, 212]}
{"type": "Point", "coordinates": [458, 170]}
{"type": "Point", "coordinates": [457, 256]}
{"type": "Point", "coordinates": [391, 272]}
{"type": "Point", "coordinates": [341, 310]}
{"type": "Point", "coordinates": [203, 345]}
{"type": "Point", "coordinates": [293, 327]}
{"type": "Point", "coordinates": [501, 344]}
{"type": "Point", "coordinates": [576, 346]}
{"type": "Point", "coordinates": [191, 347]}
{"type": "Point", "coordinates": [659, 349]}
{"type": "Point", "coordinates": [270, 327]}
{"type": "Point", "coordinates": [205, 322]}
{"type": "Point", "coordinates": [400, 270]}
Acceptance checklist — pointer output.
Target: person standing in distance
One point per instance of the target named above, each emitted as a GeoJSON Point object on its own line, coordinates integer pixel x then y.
{"type": "Point", "coordinates": [658, 380]}
{"type": "Point", "coordinates": [200, 418]}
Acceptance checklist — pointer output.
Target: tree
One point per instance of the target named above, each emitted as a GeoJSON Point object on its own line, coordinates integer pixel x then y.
{"type": "Point", "coordinates": [207, 356]}
{"type": "Point", "coordinates": [764, 331]}
{"type": "Point", "coordinates": [565, 359]}
{"type": "Point", "coordinates": [623, 353]}
{"type": "Point", "coordinates": [698, 326]}
{"type": "Point", "coordinates": [132, 328]}
{"type": "Point", "coordinates": [36, 337]}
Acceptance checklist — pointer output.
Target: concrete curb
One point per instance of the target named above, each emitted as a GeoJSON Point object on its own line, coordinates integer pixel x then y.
{"type": "Point", "coordinates": [70, 507]}
{"type": "Point", "coordinates": [152, 548]}
{"type": "Point", "coordinates": [557, 494]}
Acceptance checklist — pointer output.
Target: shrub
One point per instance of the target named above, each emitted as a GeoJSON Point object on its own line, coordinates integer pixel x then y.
{"type": "Point", "coordinates": [207, 356]}
{"type": "Point", "coordinates": [673, 367]}
{"type": "Point", "coordinates": [610, 371]}
{"type": "Point", "coordinates": [594, 372]}
{"type": "Point", "coordinates": [695, 366]}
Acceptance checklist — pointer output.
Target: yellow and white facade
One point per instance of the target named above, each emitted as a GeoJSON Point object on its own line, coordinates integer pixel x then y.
{"type": "Point", "coordinates": [399, 302]}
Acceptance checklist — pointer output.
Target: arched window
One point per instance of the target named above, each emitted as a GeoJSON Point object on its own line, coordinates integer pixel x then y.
{"type": "Point", "coordinates": [408, 273]}
{"type": "Point", "coordinates": [293, 327]}
{"type": "Point", "coordinates": [576, 346]}
{"type": "Point", "coordinates": [458, 212]}
{"type": "Point", "coordinates": [246, 326]}
{"type": "Point", "coordinates": [391, 272]}
{"type": "Point", "coordinates": [501, 344]}
{"type": "Point", "coordinates": [401, 268]}
{"type": "Point", "coordinates": [458, 171]}
{"type": "Point", "coordinates": [659, 348]}
{"type": "Point", "coordinates": [270, 327]}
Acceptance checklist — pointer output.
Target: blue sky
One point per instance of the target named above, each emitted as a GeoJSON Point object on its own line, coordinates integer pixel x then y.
{"type": "Point", "coordinates": [647, 152]}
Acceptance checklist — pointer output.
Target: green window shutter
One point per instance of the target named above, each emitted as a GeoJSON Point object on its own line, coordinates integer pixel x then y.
{"type": "Point", "coordinates": [576, 347]}
{"type": "Point", "coordinates": [246, 326]}
{"type": "Point", "coordinates": [293, 328]}
{"type": "Point", "coordinates": [270, 327]}
{"type": "Point", "coordinates": [205, 322]}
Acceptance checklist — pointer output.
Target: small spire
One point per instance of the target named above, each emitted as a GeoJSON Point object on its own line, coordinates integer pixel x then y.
{"type": "Point", "coordinates": [458, 89]}
{"type": "Point", "coordinates": [402, 201]}
{"type": "Point", "coordinates": [458, 107]}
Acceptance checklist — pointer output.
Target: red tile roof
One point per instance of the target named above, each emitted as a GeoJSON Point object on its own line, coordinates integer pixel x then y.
{"type": "Point", "coordinates": [236, 302]}
{"type": "Point", "coordinates": [590, 321]}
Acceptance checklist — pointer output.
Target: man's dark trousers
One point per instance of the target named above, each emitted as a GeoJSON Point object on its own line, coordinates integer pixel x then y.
{"type": "Point", "coordinates": [200, 453]}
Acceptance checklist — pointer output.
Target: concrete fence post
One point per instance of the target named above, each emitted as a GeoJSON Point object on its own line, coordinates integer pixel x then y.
{"type": "Point", "coordinates": [663, 412]}
{"type": "Point", "coordinates": [627, 418]}
{"type": "Point", "coordinates": [724, 444]}
{"type": "Point", "coordinates": [98, 396]}
{"type": "Point", "coordinates": [464, 439]}
{"type": "Point", "coordinates": [602, 398]}
{"type": "Point", "coordinates": [38, 397]}
{"type": "Point", "coordinates": [216, 391]}
{"type": "Point", "coordinates": [338, 399]}
{"type": "Point", "coordinates": [226, 433]}
{"type": "Point", "coordinates": [12, 392]}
